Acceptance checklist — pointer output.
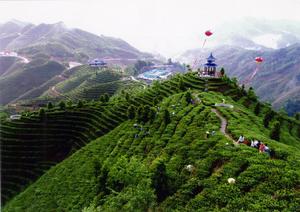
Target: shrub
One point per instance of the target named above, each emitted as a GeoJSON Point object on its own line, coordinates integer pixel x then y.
{"type": "Point", "coordinates": [50, 105]}
{"type": "Point", "coordinates": [222, 72]}
{"type": "Point", "coordinates": [79, 104]}
{"type": "Point", "coordinates": [297, 116]}
{"type": "Point", "coordinates": [62, 105]}
{"type": "Point", "coordinates": [166, 117]}
{"type": "Point", "coordinates": [275, 133]}
{"type": "Point", "coordinates": [181, 85]}
{"type": "Point", "coordinates": [160, 181]}
{"type": "Point", "coordinates": [268, 117]}
{"type": "Point", "coordinates": [257, 108]}
{"type": "Point", "coordinates": [131, 112]}
{"type": "Point", "coordinates": [106, 97]}
{"type": "Point", "coordinates": [152, 114]}
{"type": "Point", "coordinates": [42, 113]}
{"type": "Point", "coordinates": [188, 97]}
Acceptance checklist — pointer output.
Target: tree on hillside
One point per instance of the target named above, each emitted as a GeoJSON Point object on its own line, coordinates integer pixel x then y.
{"type": "Point", "coordinates": [42, 113]}
{"type": "Point", "coordinates": [166, 117]}
{"type": "Point", "coordinates": [102, 98]}
{"type": "Point", "coordinates": [127, 97]}
{"type": "Point", "coordinates": [69, 103]}
{"type": "Point", "coordinates": [243, 91]}
{"type": "Point", "coordinates": [146, 110]}
{"type": "Point", "coordinates": [140, 64]}
{"type": "Point", "coordinates": [139, 113]}
{"type": "Point", "coordinates": [62, 105]}
{"type": "Point", "coordinates": [80, 104]}
{"type": "Point", "coordinates": [188, 67]}
{"type": "Point", "coordinates": [181, 84]}
{"type": "Point", "coordinates": [268, 117]}
{"type": "Point", "coordinates": [131, 112]}
{"type": "Point", "coordinates": [152, 114]}
{"type": "Point", "coordinates": [160, 181]}
{"type": "Point", "coordinates": [257, 108]}
{"type": "Point", "coordinates": [106, 97]}
{"type": "Point", "coordinates": [251, 95]}
{"type": "Point", "coordinates": [222, 71]}
{"type": "Point", "coordinates": [297, 116]}
{"type": "Point", "coordinates": [275, 133]}
{"type": "Point", "coordinates": [188, 97]}
{"type": "Point", "coordinates": [49, 105]}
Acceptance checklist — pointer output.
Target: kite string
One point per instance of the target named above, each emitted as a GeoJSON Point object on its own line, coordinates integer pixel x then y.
{"type": "Point", "coordinates": [254, 73]}
{"type": "Point", "coordinates": [204, 43]}
{"type": "Point", "coordinates": [196, 60]}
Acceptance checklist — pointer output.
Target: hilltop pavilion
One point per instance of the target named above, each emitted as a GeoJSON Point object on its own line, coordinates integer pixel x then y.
{"type": "Point", "coordinates": [210, 67]}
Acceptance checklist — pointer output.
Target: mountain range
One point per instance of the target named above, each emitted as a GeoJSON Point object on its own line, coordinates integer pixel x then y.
{"type": "Point", "coordinates": [62, 43]}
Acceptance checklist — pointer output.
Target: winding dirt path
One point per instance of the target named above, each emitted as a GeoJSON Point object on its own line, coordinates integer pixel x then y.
{"type": "Point", "coordinates": [224, 123]}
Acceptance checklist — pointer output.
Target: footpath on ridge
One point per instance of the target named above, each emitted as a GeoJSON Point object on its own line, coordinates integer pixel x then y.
{"type": "Point", "coordinates": [224, 123]}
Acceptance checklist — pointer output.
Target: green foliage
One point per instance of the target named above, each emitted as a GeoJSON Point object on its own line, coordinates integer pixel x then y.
{"type": "Point", "coordinates": [29, 77]}
{"type": "Point", "coordinates": [160, 181]}
{"type": "Point", "coordinates": [257, 108]}
{"type": "Point", "coordinates": [222, 71]}
{"type": "Point", "coordinates": [127, 97]}
{"type": "Point", "coordinates": [62, 105]}
{"type": "Point", "coordinates": [140, 64]}
{"type": "Point", "coordinates": [251, 95]}
{"type": "Point", "coordinates": [139, 113]}
{"type": "Point", "coordinates": [268, 117]}
{"type": "Point", "coordinates": [297, 116]}
{"type": "Point", "coordinates": [102, 98]}
{"type": "Point", "coordinates": [166, 117]}
{"type": "Point", "coordinates": [69, 103]}
{"type": "Point", "coordinates": [152, 114]}
{"type": "Point", "coordinates": [144, 168]}
{"type": "Point", "coordinates": [181, 85]}
{"type": "Point", "coordinates": [42, 113]}
{"type": "Point", "coordinates": [275, 133]}
{"type": "Point", "coordinates": [80, 104]}
{"type": "Point", "coordinates": [131, 112]}
{"type": "Point", "coordinates": [188, 97]}
{"type": "Point", "coordinates": [106, 97]}
{"type": "Point", "coordinates": [50, 105]}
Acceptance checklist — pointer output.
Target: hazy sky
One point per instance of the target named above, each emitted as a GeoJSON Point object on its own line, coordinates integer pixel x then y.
{"type": "Point", "coordinates": [164, 26]}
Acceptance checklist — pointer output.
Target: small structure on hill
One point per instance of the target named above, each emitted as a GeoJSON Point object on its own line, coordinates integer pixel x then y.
{"type": "Point", "coordinates": [97, 63]}
{"type": "Point", "coordinates": [210, 68]}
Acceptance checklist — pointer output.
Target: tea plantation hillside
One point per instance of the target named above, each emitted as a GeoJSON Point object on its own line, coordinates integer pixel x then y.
{"type": "Point", "coordinates": [29, 76]}
{"type": "Point", "coordinates": [87, 83]}
{"type": "Point", "coordinates": [155, 154]}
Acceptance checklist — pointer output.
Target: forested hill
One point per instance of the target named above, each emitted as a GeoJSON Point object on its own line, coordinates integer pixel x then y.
{"type": "Point", "coordinates": [162, 148]}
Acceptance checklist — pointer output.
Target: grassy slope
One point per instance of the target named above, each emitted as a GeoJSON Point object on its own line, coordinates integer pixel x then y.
{"type": "Point", "coordinates": [18, 83]}
{"type": "Point", "coordinates": [116, 171]}
{"type": "Point", "coordinates": [7, 63]}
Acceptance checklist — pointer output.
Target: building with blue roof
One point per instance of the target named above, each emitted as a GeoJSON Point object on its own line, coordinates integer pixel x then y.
{"type": "Point", "coordinates": [97, 63]}
{"type": "Point", "coordinates": [210, 67]}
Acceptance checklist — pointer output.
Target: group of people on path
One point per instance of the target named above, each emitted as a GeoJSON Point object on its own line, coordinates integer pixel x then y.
{"type": "Point", "coordinates": [262, 148]}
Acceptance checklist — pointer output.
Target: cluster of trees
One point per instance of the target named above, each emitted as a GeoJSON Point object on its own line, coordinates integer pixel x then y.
{"type": "Point", "coordinates": [143, 113]}
{"type": "Point", "coordinates": [137, 68]}
{"type": "Point", "coordinates": [104, 97]}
